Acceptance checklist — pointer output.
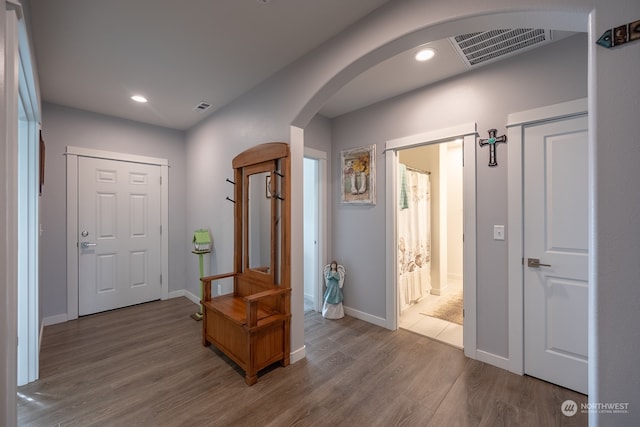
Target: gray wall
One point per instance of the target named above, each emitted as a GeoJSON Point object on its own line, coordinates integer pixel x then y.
{"type": "Point", "coordinates": [63, 126]}
{"type": "Point", "coordinates": [210, 148]}
{"type": "Point", "coordinates": [614, 341]}
{"type": "Point", "coordinates": [317, 134]}
{"type": "Point", "coordinates": [545, 76]}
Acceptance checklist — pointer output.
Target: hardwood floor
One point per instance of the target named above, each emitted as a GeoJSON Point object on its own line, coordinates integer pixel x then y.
{"type": "Point", "coordinates": [145, 366]}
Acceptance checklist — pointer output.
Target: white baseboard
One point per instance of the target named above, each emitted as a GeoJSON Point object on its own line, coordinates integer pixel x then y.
{"type": "Point", "coordinates": [187, 294]}
{"type": "Point", "coordinates": [493, 359]}
{"type": "Point", "coordinates": [378, 321]}
{"type": "Point", "coordinates": [192, 297]}
{"type": "Point", "coordinates": [176, 294]}
{"type": "Point", "coordinates": [61, 318]}
{"type": "Point", "coordinates": [439, 291]}
{"type": "Point", "coordinates": [297, 355]}
{"type": "Point", "coordinates": [52, 320]}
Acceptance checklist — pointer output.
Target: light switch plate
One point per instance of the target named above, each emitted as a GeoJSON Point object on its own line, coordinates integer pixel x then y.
{"type": "Point", "coordinates": [498, 232]}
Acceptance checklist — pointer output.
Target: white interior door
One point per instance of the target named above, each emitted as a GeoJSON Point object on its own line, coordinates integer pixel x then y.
{"type": "Point", "coordinates": [555, 233]}
{"type": "Point", "coordinates": [119, 234]}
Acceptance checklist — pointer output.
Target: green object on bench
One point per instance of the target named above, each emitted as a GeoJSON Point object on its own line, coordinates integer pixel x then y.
{"type": "Point", "coordinates": [201, 242]}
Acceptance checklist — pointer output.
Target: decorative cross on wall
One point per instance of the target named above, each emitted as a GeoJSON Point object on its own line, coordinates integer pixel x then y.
{"type": "Point", "coordinates": [491, 142]}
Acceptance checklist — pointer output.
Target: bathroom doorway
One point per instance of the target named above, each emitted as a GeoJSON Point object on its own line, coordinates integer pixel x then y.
{"type": "Point", "coordinates": [430, 241]}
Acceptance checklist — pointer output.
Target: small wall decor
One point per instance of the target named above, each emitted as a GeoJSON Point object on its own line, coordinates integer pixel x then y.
{"type": "Point", "coordinates": [358, 175]}
{"type": "Point", "coordinates": [620, 35]}
{"type": "Point", "coordinates": [491, 142]}
{"type": "Point", "coordinates": [268, 186]}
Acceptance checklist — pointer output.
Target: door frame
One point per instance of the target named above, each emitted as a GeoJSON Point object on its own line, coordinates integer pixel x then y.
{"type": "Point", "coordinates": [516, 123]}
{"type": "Point", "coordinates": [28, 292]}
{"type": "Point", "coordinates": [321, 158]}
{"type": "Point", "coordinates": [468, 132]}
{"type": "Point", "coordinates": [72, 154]}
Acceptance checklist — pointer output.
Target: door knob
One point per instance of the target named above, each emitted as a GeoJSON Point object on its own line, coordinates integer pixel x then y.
{"type": "Point", "coordinates": [86, 245]}
{"type": "Point", "coordinates": [535, 262]}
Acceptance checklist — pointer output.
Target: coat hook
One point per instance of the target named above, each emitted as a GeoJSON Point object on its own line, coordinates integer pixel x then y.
{"type": "Point", "coordinates": [228, 180]}
{"type": "Point", "coordinates": [277, 196]}
{"type": "Point", "coordinates": [279, 174]}
{"type": "Point", "coordinates": [232, 201]}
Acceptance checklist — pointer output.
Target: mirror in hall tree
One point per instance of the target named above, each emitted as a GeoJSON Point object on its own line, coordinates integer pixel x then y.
{"type": "Point", "coordinates": [261, 218]}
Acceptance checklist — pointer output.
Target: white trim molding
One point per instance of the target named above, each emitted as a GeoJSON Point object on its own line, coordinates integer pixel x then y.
{"type": "Point", "coordinates": [431, 137]}
{"type": "Point", "coordinates": [8, 213]}
{"type": "Point", "coordinates": [556, 111]}
{"type": "Point", "coordinates": [516, 123]}
{"type": "Point", "coordinates": [467, 131]}
{"type": "Point", "coordinates": [109, 155]}
{"type": "Point", "coordinates": [72, 154]}
{"type": "Point", "coordinates": [52, 320]}
{"type": "Point", "coordinates": [297, 355]}
{"type": "Point", "coordinates": [493, 359]}
{"type": "Point", "coordinates": [378, 321]}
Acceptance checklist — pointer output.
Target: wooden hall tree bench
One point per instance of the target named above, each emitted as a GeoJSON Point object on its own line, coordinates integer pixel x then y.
{"type": "Point", "coordinates": [251, 325]}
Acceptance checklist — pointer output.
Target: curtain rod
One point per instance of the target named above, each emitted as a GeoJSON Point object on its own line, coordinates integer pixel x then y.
{"type": "Point", "coordinates": [16, 6]}
{"type": "Point", "coordinates": [417, 170]}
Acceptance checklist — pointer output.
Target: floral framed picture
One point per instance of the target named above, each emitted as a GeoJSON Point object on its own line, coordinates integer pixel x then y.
{"type": "Point", "coordinates": [358, 175]}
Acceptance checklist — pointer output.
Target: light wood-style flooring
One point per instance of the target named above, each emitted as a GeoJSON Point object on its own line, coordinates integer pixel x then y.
{"type": "Point", "coordinates": [145, 366]}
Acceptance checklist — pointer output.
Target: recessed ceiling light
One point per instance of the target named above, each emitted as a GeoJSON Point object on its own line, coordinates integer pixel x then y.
{"type": "Point", "coordinates": [139, 98]}
{"type": "Point", "coordinates": [425, 54]}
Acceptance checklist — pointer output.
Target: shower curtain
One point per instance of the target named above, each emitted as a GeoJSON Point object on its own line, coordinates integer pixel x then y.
{"type": "Point", "coordinates": [414, 237]}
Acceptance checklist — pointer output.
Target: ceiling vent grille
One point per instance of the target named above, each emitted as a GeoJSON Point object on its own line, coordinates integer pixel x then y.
{"type": "Point", "coordinates": [202, 107]}
{"type": "Point", "coordinates": [485, 47]}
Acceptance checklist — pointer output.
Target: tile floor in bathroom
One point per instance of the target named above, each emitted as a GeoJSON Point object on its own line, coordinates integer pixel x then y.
{"type": "Point", "coordinates": [437, 329]}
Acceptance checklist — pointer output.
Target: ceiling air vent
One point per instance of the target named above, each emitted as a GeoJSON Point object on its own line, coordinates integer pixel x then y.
{"type": "Point", "coordinates": [482, 48]}
{"type": "Point", "coordinates": [202, 107]}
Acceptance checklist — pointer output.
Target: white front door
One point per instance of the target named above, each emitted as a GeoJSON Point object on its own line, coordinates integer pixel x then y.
{"type": "Point", "coordinates": [119, 234]}
{"type": "Point", "coordinates": [555, 234]}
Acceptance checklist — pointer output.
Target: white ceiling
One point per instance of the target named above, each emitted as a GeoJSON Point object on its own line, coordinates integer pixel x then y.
{"type": "Point", "coordinates": [94, 54]}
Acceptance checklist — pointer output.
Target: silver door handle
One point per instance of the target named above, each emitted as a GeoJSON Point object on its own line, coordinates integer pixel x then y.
{"type": "Point", "coordinates": [85, 245]}
{"type": "Point", "coordinates": [535, 262]}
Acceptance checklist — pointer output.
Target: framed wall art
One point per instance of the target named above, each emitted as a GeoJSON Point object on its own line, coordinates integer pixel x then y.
{"type": "Point", "coordinates": [358, 175]}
